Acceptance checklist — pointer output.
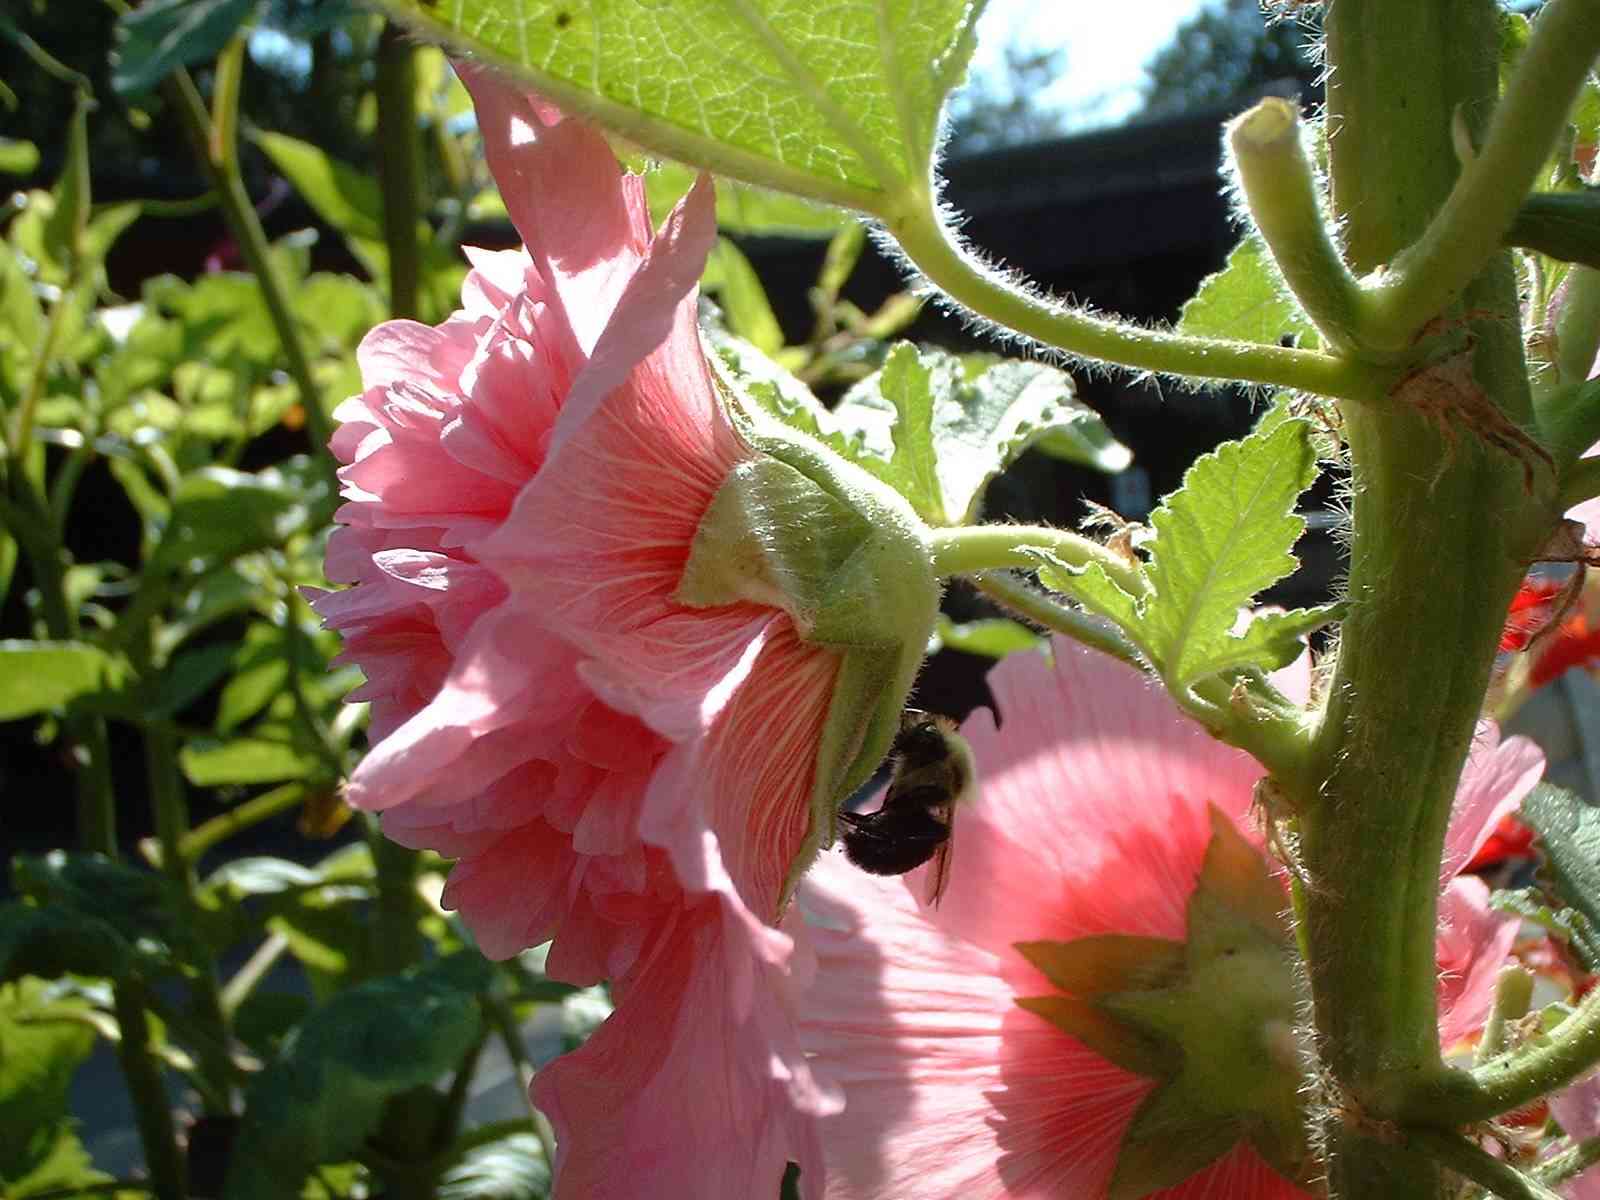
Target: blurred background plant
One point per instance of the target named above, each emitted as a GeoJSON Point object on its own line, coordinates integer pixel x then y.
{"type": "Point", "coordinates": [216, 200]}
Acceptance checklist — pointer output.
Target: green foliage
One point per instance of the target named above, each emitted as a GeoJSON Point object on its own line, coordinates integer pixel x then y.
{"type": "Point", "coordinates": [838, 103]}
{"type": "Point", "coordinates": [1567, 926]}
{"type": "Point", "coordinates": [44, 1037]}
{"type": "Point", "coordinates": [1221, 539]}
{"type": "Point", "coordinates": [938, 429]}
{"type": "Point", "coordinates": [322, 1096]}
{"type": "Point", "coordinates": [93, 893]}
{"type": "Point", "coordinates": [510, 1166]}
{"type": "Point", "coordinates": [730, 277]}
{"type": "Point", "coordinates": [992, 637]}
{"type": "Point", "coordinates": [1569, 847]}
{"type": "Point", "coordinates": [1247, 301]}
{"type": "Point", "coordinates": [744, 209]}
{"type": "Point", "coordinates": [37, 677]}
{"type": "Point", "coordinates": [18, 156]}
{"type": "Point", "coordinates": [160, 36]}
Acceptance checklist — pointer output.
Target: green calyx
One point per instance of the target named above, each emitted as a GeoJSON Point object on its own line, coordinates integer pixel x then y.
{"type": "Point", "coordinates": [796, 527]}
{"type": "Point", "coordinates": [1212, 1018]}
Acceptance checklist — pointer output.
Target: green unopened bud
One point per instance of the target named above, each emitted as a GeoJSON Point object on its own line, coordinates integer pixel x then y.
{"type": "Point", "coordinates": [800, 529]}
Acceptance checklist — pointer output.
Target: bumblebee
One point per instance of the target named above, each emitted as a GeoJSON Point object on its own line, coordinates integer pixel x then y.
{"type": "Point", "coordinates": [933, 772]}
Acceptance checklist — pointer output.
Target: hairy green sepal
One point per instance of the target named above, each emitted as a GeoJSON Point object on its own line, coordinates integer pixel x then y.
{"type": "Point", "coordinates": [1211, 1018]}
{"type": "Point", "coordinates": [798, 528]}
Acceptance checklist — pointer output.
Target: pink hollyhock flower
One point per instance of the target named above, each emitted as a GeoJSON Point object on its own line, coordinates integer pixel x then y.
{"type": "Point", "coordinates": [623, 754]}
{"type": "Point", "coordinates": [1095, 818]}
{"type": "Point", "coordinates": [1577, 1108]}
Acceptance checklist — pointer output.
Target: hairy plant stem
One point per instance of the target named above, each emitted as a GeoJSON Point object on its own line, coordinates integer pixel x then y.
{"type": "Point", "coordinates": [1513, 1080]}
{"type": "Point", "coordinates": [1482, 205]}
{"type": "Point", "coordinates": [935, 251]}
{"type": "Point", "coordinates": [1443, 531]}
{"type": "Point", "coordinates": [973, 548]}
{"type": "Point", "coordinates": [1476, 1165]}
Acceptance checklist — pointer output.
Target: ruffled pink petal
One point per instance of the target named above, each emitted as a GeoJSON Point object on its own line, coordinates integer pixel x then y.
{"type": "Point", "coordinates": [1496, 777]}
{"type": "Point", "coordinates": [585, 222]}
{"type": "Point", "coordinates": [735, 804]}
{"type": "Point", "coordinates": [696, 1085]}
{"type": "Point", "coordinates": [1474, 941]}
{"type": "Point", "coordinates": [604, 531]}
{"type": "Point", "coordinates": [495, 683]}
{"type": "Point", "coordinates": [1094, 814]}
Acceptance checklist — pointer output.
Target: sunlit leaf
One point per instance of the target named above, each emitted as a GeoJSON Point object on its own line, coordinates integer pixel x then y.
{"type": "Point", "coordinates": [938, 433]}
{"type": "Point", "coordinates": [1246, 301]}
{"type": "Point", "coordinates": [839, 102]}
{"type": "Point", "coordinates": [37, 677]}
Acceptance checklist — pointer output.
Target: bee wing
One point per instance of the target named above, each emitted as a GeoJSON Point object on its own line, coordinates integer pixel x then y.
{"type": "Point", "coordinates": [938, 876]}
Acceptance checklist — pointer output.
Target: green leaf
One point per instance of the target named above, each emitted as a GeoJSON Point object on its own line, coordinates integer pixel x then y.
{"type": "Point", "coordinates": [145, 909]}
{"type": "Point", "coordinates": [160, 36]}
{"type": "Point", "coordinates": [219, 514]}
{"type": "Point", "coordinates": [844, 251]}
{"type": "Point", "coordinates": [1223, 537]}
{"type": "Point", "coordinates": [1002, 412]}
{"type": "Point", "coordinates": [1566, 925]}
{"type": "Point", "coordinates": [63, 229]}
{"type": "Point", "coordinates": [1273, 639]}
{"type": "Point", "coordinates": [744, 209]}
{"type": "Point", "coordinates": [245, 760]}
{"type": "Point", "coordinates": [190, 675]}
{"type": "Point", "coordinates": [1247, 302]}
{"type": "Point", "coordinates": [839, 102]}
{"type": "Point", "coordinates": [991, 637]}
{"type": "Point", "coordinates": [345, 198]}
{"type": "Point", "coordinates": [37, 677]}
{"type": "Point", "coordinates": [50, 941]}
{"type": "Point", "coordinates": [1569, 840]}
{"type": "Point", "coordinates": [744, 301]}
{"type": "Point", "coordinates": [43, 1040]}
{"type": "Point", "coordinates": [510, 1167]}
{"type": "Point", "coordinates": [324, 1094]}
{"type": "Point", "coordinates": [17, 157]}
{"type": "Point", "coordinates": [261, 670]}
{"type": "Point", "coordinates": [938, 433]}
{"type": "Point", "coordinates": [906, 389]}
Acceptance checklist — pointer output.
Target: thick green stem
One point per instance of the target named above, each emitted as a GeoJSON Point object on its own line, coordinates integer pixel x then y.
{"type": "Point", "coordinates": [399, 171]}
{"type": "Point", "coordinates": [934, 251]}
{"type": "Point", "coordinates": [1467, 230]}
{"type": "Point", "coordinates": [1443, 531]}
{"type": "Point", "coordinates": [223, 173]}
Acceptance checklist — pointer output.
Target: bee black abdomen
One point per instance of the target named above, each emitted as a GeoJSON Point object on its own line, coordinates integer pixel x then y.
{"type": "Point", "coordinates": [892, 842]}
